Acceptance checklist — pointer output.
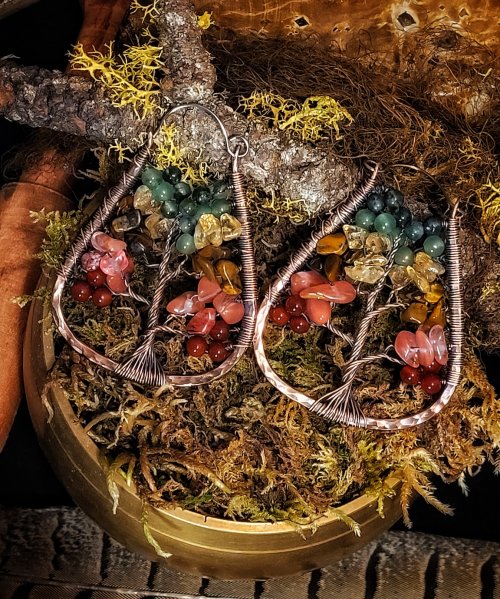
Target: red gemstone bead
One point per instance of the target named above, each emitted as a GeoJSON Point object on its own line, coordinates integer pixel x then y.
{"type": "Point", "coordinates": [218, 352]}
{"type": "Point", "coordinates": [196, 346]}
{"type": "Point", "coordinates": [431, 384]}
{"type": "Point", "coordinates": [295, 305]}
{"type": "Point", "coordinates": [102, 297]}
{"type": "Point", "coordinates": [410, 376]}
{"type": "Point", "coordinates": [220, 331]}
{"type": "Point", "coordinates": [96, 278]}
{"type": "Point", "coordinates": [299, 324]}
{"type": "Point", "coordinates": [278, 315]}
{"type": "Point", "coordinates": [81, 291]}
{"type": "Point", "coordinates": [433, 367]}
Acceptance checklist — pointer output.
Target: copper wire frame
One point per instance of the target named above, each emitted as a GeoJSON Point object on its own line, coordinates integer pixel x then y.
{"type": "Point", "coordinates": [339, 405]}
{"type": "Point", "coordinates": [143, 366]}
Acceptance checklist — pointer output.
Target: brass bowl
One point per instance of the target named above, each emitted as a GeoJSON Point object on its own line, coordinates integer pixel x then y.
{"type": "Point", "coordinates": [204, 546]}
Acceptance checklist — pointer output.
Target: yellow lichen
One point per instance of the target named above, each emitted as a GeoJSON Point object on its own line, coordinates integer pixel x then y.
{"type": "Point", "coordinates": [312, 119]}
{"type": "Point", "coordinates": [205, 20]}
{"type": "Point", "coordinates": [149, 10]}
{"type": "Point", "coordinates": [489, 202]}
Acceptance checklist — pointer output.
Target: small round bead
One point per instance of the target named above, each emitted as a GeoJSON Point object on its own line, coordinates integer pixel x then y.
{"type": "Point", "coordinates": [393, 199]}
{"type": "Point", "coordinates": [385, 223]}
{"type": "Point", "coordinates": [187, 224]}
{"type": "Point", "coordinates": [299, 324]}
{"type": "Point", "coordinates": [220, 190]}
{"type": "Point", "coordinates": [96, 278]}
{"type": "Point", "coordinates": [196, 346]}
{"type": "Point", "coordinates": [185, 244]}
{"type": "Point", "coordinates": [431, 384]}
{"type": "Point", "coordinates": [102, 297]}
{"type": "Point", "coordinates": [414, 231]}
{"type": "Point", "coordinates": [81, 291]}
{"type": "Point", "coordinates": [163, 192]}
{"type": "Point", "coordinates": [172, 174]}
{"type": "Point", "coordinates": [433, 226]}
{"type": "Point", "coordinates": [433, 367]}
{"type": "Point", "coordinates": [218, 352]}
{"type": "Point", "coordinates": [295, 305]}
{"type": "Point", "coordinates": [181, 190]}
{"type": "Point", "coordinates": [220, 331]}
{"type": "Point", "coordinates": [402, 216]}
{"type": "Point", "coordinates": [151, 177]}
{"type": "Point", "coordinates": [364, 218]}
{"type": "Point", "coordinates": [375, 202]}
{"type": "Point", "coordinates": [278, 315]}
{"type": "Point", "coordinates": [410, 376]}
{"type": "Point", "coordinates": [202, 195]}
{"type": "Point", "coordinates": [404, 256]}
{"type": "Point", "coordinates": [220, 207]}
{"type": "Point", "coordinates": [203, 209]}
{"type": "Point", "coordinates": [188, 207]}
{"type": "Point", "coordinates": [169, 209]}
{"type": "Point", "coordinates": [434, 246]}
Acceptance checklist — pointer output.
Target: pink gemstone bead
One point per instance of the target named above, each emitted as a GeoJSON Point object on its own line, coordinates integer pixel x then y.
{"type": "Point", "coordinates": [318, 311]}
{"type": "Point", "coordinates": [230, 310]}
{"type": "Point", "coordinates": [340, 292]}
{"type": "Point", "coordinates": [184, 304]}
{"type": "Point", "coordinates": [406, 347]}
{"type": "Point", "coordinates": [202, 322]}
{"type": "Point", "coordinates": [114, 264]}
{"type": "Point", "coordinates": [304, 279]}
{"type": "Point", "coordinates": [104, 243]}
{"type": "Point", "coordinates": [207, 289]}
{"type": "Point", "coordinates": [116, 283]}
{"type": "Point", "coordinates": [425, 349]}
{"type": "Point", "coordinates": [90, 260]}
{"type": "Point", "coordinates": [438, 342]}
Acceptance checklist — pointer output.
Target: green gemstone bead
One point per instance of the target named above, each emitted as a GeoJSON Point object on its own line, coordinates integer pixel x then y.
{"type": "Point", "coordinates": [188, 207]}
{"type": "Point", "coordinates": [404, 256]}
{"type": "Point", "coordinates": [204, 209]}
{"type": "Point", "coordinates": [185, 244]}
{"type": "Point", "coordinates": [375, 202]}
{"type": "Point", "coordinates": [393, 199]}
{"type": "Point", "coordinates": [187, 224]}
{"type": "Point", "coordinates": [220, 207]}
{"type": "Point", "coordinates": [220, 190]}
{"type": "Point", "coordinates": [434, 246]}
{"type": "Point", "coordinates": [169, 209]}
{"type": "Point", "coordinates": [172, 174]}
{"type": "Point", "coordinates": [202, 195]}
{"type": "Point", "coordinates": [414, 231]}
{"type": "Point", "coordinates": [163, 193]}
{"type": "Point", "coordinates": [182, 190]}
{"type": "Point", "coordinates": [385, 223]}
{"type": "Point", "coordinates": [151, 177]}
{"type": "Point", "coordinates": [365, 218]}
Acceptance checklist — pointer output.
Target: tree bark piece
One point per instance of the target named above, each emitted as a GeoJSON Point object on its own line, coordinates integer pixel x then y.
{"type": "Point", "coordinates": [9, 7]}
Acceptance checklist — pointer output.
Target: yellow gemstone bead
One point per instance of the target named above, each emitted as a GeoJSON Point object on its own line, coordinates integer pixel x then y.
{"type": "Point", "coordinates": [399, 277]}
{"type": "Point", "coordinates": [416, 313]}
{"type": "Point", "coordinates": [419, 279]}
{"type": "Point", "coordinates": [335, 243]}
{"type": "Point", "coordinates": [229, 272]}
{"type": "Point", "coordinates": [428, 267]}
{"type": "Point", "coordinates": [332, 267]}
{"type": "Point", "coordinates": [231, 227]}
{"type": "Point", "coordinates": [378, 243]}
{"type": "Point", "coordinates": [437, 316]}
{"type": "Point", "coordinates": [435, 293]}
{"type": "Point", "coordinates": [208, 231]}
{"type": "Point", "coordinates": [203, 266]}
{"type": "Point", "coordinates": [215, 253]}
{"type": "Point", "coordinates": [356, 236]}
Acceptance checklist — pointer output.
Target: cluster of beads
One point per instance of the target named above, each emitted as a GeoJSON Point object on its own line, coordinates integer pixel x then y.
{"type": "Point", "coordinates": [204, 305]}
{"type": "Point", "coordinates": [107, 269]}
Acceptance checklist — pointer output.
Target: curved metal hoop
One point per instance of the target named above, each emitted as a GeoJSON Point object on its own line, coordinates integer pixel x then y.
{"type": "Point", "coordinates": [455, 302]}
{"type": "Point", "coordinates": [143, 366]}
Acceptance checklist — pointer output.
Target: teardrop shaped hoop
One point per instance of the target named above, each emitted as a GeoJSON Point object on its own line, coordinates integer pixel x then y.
{"type": "Point", "coordinates": [142, 366]}
{"type": "Point", "coordinates": [455, 301]}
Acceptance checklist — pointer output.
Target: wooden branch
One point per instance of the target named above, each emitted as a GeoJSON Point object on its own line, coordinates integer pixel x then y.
{"type": "Point", "coordinates": [9, 7]}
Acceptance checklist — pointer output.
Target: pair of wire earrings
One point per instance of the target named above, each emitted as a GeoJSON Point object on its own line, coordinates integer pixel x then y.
{"type": "Point", "coordinates": [143, 365]}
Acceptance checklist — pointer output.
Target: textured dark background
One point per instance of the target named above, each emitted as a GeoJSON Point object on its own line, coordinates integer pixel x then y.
{"type": "Point", "coordinates": [42, 34]}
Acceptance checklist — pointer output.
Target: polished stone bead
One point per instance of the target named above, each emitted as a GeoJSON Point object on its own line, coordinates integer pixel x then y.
{"type": "Point", "coordinates": [188, 207]}
{"type": "Point", "coordinates": [169, 209]}
{"type": "Point", "coordinates": [279, 315]}
{"type": "Point", "coordinates": [299, 324]}
{"type": "Point", "coordinates": [414, 231]}
{"type": "Point", "coordinates": [116, 283]}
{"type": "Point", "coordinates": [410, 376]}
{"type": "Point", "coordinates": [399, 277]}
{"type": "Point", "coordinates": [196, 346]}
{"type": "Point", "coordinates": [185, 304]}
{"type": "Point", "coordinates": [157, 226]}
{"type": "Point", "coordinates": [433, 367]}
{"type": "Point", "coordinates": [102, 297]}
{"type": "Point", "coordinates": [207, 289]}
{"type": "Point", "coordinates": [151, 177]}
{"type": "Point", "coordinates": [202, 265]}
{"type": "Point", "coordinates": [434, 246]}
{"type": "Point", "coordinates": [364, 218]}
{"type": "Point", "coordinates": [143, 200]}
{"type": "Point", "coordinates": [126, 222]}
{"type": "Point", "coordinates": [208, 231]}
{"type": "Point", "coordinates": [96, 278]}
{"type": "Point", "coordinates": [220, 207]}
{"type": "Point", "coordinates": [418, 279]}
{"type": "Point", "coordinates": [295, 305]}
{"type": "Point", "coordinates": [378, 243]}
{"type": "Point", "coordinates": [229, 272]}
{"type": "Point", "coordinates": [202, 195]}
{"type": "Point", "coordinates": [332, 265]}
{"type": "Point", "coordinates": [393, 199]}
{"type": "Point", "coordinates": [437, 316]}
{"type": "Point", "coordinates": [438, 342]}
{"type": "Point", "coordinates": [220, 190]}
{"type": "Point", "coordinates": [220, 331]}
{"type": "Point", "coordinates": [187, 224]}
{"type": "Point", "coordinates": [433, 226]}
{"type": "Point", "coordinates": [218, 352]}
{"type": "Point", "coordinates": [425, 349]}
{"type": "Point", "coordinates": [335, 243]}
{"type": "Point", "coordinates": [81, 291]}
{"type": "Point", "coordinates": [402, 216]}
{"type": "Point", "coordinates": [375, 202]}
{"type": "Point", "coordinates": [90, 260]}
{"type": "Point", "coordinates": [415, 313]}
{"type": "Point", "coordinates": [367, 269]}
{"type": "Point", "coordinates": [385, 223]}
{"type": "Point", "coordinates": [356, 236]}
{"type": "Point", "coordinates": [114, 264]}
{"type": "Point", "coordinates": [163, 192]}
{"type": "Point", "coordinates": [404, 256]}
{"type": "Point", "coordinates": [182, 190]}
{"type": "Point", "coordinates": [201, 210]}
{"type": "Point", "coordinates": [340, 292]}
{"type": "Point", "coordinates": [318, 311]}
{"type": "Point", "coordinates": [304, 279]}
{"type": "Point", "coordinates": [230, 309]}
{"type": "Point", "coordinates": [185, 244]}
{"type": "Point", "coordinates": [215, 253]}
{"type": "Point", "coordinates": [231, 227]}
{"type": "Point", "coordinates": [428, 267]}
{"type": "Point", "coordinates": [406, 347]}
{"type": "Point", "coordinates": [172, 174]}
{"type": "Point", "coordinates": [435, 293]}
{"type": "Point", "coordinates": [202, 322]}
{"type": "Point", "coordinates": [139, 243]}
{"type": "Point", "coordinates": [125, 204]}
{"type": "Point", "coordinates": [105, 243]}
{"type": "Point", "coordinates": [431, 384]}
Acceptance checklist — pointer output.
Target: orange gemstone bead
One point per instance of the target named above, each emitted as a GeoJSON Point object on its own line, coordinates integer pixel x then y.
{"type": "Point", "coordinates": [335, 243]}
